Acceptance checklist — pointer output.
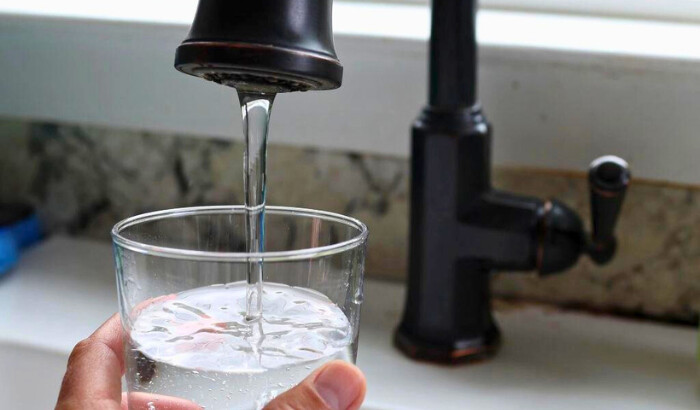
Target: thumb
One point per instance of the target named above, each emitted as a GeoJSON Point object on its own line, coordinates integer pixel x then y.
{"type": "Point", "coordinates": [337, 385]}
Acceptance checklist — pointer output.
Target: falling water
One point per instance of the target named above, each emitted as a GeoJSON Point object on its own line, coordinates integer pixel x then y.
{"type": "Point", "coordinates": [255, 110]}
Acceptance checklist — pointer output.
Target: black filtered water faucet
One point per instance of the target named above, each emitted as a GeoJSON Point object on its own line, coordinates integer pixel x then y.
{"type": "Point", "coordinates": [462, 229]}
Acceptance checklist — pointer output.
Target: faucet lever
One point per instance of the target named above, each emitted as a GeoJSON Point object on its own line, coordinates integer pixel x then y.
{"type": "Point", "coordinates": [608, 177]}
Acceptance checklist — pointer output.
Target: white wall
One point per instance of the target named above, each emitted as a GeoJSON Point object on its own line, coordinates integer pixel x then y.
{"type": "Point", "coordinates": [550, 107]}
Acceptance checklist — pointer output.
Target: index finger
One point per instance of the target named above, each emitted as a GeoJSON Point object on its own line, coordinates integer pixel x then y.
{"type": "Point", "coordinates": [94, 370]}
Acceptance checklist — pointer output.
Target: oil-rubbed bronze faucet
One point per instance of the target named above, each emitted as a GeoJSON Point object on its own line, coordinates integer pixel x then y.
{"type": "Point", "coordinates": [263, 45]}
{"type": "Point", "coordinates": [462, 229]}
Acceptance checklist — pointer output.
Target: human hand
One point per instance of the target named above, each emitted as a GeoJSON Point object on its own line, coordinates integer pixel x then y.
{"type": "Point", "coordinates": [96, 365]}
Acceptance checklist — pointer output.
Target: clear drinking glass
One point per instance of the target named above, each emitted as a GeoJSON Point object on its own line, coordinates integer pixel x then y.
{"type": "Point", "coordinates": [181, 280]}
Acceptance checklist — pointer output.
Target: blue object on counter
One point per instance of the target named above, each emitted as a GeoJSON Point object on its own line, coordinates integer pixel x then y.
{"type": "Point", "coordinates": [9, 253]}
{"type": "Point", "coordinates": [19, 228]}
{"type": "Point", "coordinates": [27, 231]}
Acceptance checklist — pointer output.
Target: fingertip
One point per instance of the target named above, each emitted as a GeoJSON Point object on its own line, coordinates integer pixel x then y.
{"type": "Point", "coordinates": [341, 385]}
{"type": "Point", "coordinates": [344, 370]}
{"type": "Point", "coordinates": [337, 385]}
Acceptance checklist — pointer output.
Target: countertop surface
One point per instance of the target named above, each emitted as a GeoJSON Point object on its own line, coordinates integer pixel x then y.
{"type": "Point", "coordinates": [550, 359]}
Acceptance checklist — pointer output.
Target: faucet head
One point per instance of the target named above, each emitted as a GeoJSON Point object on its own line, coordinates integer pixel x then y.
{"type": "Point", "coordinates": [268, 46]}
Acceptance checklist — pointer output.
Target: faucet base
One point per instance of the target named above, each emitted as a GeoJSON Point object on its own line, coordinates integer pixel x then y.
{"type": "Point", "coordinates": [459, 352]}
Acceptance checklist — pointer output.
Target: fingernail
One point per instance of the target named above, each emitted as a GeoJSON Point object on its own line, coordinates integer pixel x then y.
{"type": "Point", "coordinates": [339, 385]}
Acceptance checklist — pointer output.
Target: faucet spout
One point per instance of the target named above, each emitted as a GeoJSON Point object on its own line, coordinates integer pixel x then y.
{"type": "Point", "coordinates": [268, 46]}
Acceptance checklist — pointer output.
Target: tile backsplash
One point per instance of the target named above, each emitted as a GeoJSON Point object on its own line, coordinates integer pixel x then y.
{"type": "Point", "coordinates": [84, 179]}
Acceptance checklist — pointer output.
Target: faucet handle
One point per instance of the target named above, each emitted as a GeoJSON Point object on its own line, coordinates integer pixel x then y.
{"type": "Point", "coordinates": [608, 177]}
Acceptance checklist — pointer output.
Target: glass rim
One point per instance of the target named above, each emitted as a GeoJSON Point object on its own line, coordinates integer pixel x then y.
{"type": "Point", "coordinates": [209, 256]}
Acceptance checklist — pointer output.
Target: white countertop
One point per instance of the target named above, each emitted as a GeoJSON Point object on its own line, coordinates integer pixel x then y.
{"type": "Point", "coordinates": [64, 288]}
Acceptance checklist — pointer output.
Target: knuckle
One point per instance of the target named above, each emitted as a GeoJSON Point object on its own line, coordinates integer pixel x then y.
{"type": "Point", "coordinates": [80, 349]}
{"type": "Point", "coordinates": [85, 348]}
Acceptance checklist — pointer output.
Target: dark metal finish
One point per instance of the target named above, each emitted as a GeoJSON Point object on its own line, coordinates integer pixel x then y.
{"type": "Point", "coordinates": [608, 177]}
{"type": "Point", "coordinates": [462, 229]}
{"type": "Point", "coordinates": [561, 238]}
{"type": "Point", "coordinates": [263, 45]}
{"type": "Point", "coordinates": [453, 58]}
{"type": "Point", "coordinates": [448, 309]}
